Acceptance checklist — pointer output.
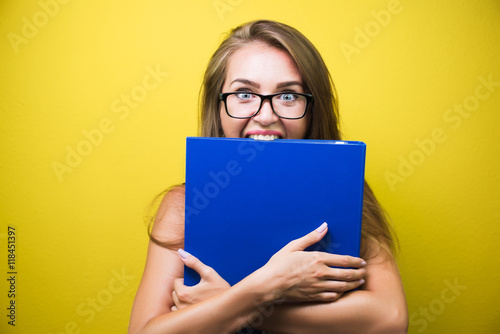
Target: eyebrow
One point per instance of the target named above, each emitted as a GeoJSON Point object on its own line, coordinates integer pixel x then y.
{"type": "Point", "coordinates": [289, 83]}
{"type": "Point", "coordinates": [246, 82]}
{"type": "Point", "coordinates": [279, 85]}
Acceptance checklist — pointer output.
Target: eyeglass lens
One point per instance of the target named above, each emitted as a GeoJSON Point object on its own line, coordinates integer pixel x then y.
{"type": "Point", "coordinates": [287, 105]}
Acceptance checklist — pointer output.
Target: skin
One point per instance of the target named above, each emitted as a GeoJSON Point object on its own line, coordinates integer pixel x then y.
{"type": "Point", "coordinates": [259, 68]}
{"type": "Point", "coordinates": [296, 291]}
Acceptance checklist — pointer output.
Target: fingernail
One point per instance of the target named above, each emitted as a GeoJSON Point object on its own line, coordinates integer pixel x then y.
{"type": "Point", "coordinates": [363, 263]}
{"type": "Point", "coordinates": [183, 253]}
{"type": "Point", "coordinates": [322, 227]}
{"type": "Point", "coordinates": [361, 281]}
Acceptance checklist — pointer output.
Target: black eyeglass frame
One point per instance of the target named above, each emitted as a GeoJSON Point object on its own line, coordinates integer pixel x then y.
{"type": "Point", "coordinates": [223, 98]}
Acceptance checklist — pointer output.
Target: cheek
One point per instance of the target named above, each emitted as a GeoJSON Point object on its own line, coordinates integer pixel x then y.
{"type": "Point", "coordinates": [231, 127]}
{"type": "Point", "coordinates": [296, 129]}
{"type": "Point", "coordinates": [223, 122]}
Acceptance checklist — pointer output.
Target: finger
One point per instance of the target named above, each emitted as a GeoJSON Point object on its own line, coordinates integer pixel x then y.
{"type": "Point", "coordinates": [341, 286]}
{"type": "Point", "coordinates": [344, 261]}
{"type": "Point", "coordinates": [307, 240]}
{"type": "Point", "coordinates": [327, 297]}
{"type": "Point", "coordinates": [347, 275]}
{"type": "Point", "coordinates": [175, 299]}
{"type": "Point", "coordinates": [323, 296]}
{"type": "Point", "coordinates": [194, 263]}
{"type": "Point", "coordinates": [178, 283]}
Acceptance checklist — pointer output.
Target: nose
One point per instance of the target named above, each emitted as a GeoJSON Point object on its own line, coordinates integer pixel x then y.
{"type": "Point", "coordinates": [266, 115]}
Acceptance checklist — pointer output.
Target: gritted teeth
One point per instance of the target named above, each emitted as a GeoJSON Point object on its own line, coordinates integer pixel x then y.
{"type": "Point", "coordinates": [264, 137]}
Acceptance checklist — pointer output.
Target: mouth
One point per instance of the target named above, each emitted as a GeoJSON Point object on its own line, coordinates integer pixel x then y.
{"type": "Point", "coordinates": [264, 137]}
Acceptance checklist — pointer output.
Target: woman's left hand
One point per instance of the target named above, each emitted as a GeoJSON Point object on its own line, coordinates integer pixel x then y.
{"type": "Point", "coordinates": [211, 283]}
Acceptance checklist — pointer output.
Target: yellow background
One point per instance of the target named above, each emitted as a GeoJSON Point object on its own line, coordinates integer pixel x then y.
{"type": "Point", "coordinates": [402, 69]}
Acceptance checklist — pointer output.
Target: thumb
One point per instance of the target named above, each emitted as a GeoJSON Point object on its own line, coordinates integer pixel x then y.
{"type": "Point", "coordinates": [307, 240]}
{"type": "Point", "coordinates": [194, 263]}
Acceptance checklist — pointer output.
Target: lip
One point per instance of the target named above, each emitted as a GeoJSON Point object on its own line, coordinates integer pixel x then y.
{"type": "Point", "coordinates": [264, 132]}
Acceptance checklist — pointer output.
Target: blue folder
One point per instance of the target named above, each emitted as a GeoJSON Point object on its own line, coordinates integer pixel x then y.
{"type": "Point", "coordinates": [246, 199]}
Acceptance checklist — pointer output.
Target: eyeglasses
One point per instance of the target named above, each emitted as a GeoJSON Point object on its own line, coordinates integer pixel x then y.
{"type": "Point", "coordinates": [247, 105]}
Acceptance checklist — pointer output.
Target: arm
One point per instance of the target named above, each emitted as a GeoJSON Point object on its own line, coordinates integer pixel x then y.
{"type": "Point", "coordinates": [151, 312]}
{"type": "Point", "coordinates": [378, 307]}
{"type": "Point", "coordinates": [290, 273]}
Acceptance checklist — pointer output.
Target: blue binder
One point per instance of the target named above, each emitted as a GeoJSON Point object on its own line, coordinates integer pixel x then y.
{"type": "Point", "coordinates": [246, 199]}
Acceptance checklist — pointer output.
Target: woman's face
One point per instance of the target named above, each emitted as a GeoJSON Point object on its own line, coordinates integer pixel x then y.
{"type": "Point", "coordinates": [262, 69]}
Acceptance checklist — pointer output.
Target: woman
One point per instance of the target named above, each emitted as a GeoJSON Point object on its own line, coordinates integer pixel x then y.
{"type": "Point", "coordinates": [296, 291]}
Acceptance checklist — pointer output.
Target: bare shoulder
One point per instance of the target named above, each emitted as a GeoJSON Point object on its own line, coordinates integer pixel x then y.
{"type": "Point", "coordinates": [383, 280]}
{"type": "Point", "coordinates": [374, 252]}
{"type": "Point", "coordinates": [382, 272]}
{"type": "Point", "coordinates": [173, 199]}
{"type": "Point", "coordinates": [163, 266]}
{"type": "Point", "coordinates": [169, 221]}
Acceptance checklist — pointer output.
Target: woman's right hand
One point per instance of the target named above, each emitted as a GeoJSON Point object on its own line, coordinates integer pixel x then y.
{"type": "Point", "coordinates": [211, 283]}
{"type": "Point", "coordinates": [306, 276]}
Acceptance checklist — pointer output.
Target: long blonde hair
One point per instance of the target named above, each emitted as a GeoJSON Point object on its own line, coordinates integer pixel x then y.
{"type": "Point", "coordinates": [315, 75]}
{"type": "Point", "coordinates": [323, 115]}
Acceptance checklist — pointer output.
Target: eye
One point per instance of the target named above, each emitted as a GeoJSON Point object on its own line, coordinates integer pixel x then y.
{"type": "Point", "coordinates": [288, 97]}
{"type": "Point", "coordinates": [245, 96]}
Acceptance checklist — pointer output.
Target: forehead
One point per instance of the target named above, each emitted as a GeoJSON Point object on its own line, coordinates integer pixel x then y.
{"type": "Point", "coordinates": [260, 62]}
